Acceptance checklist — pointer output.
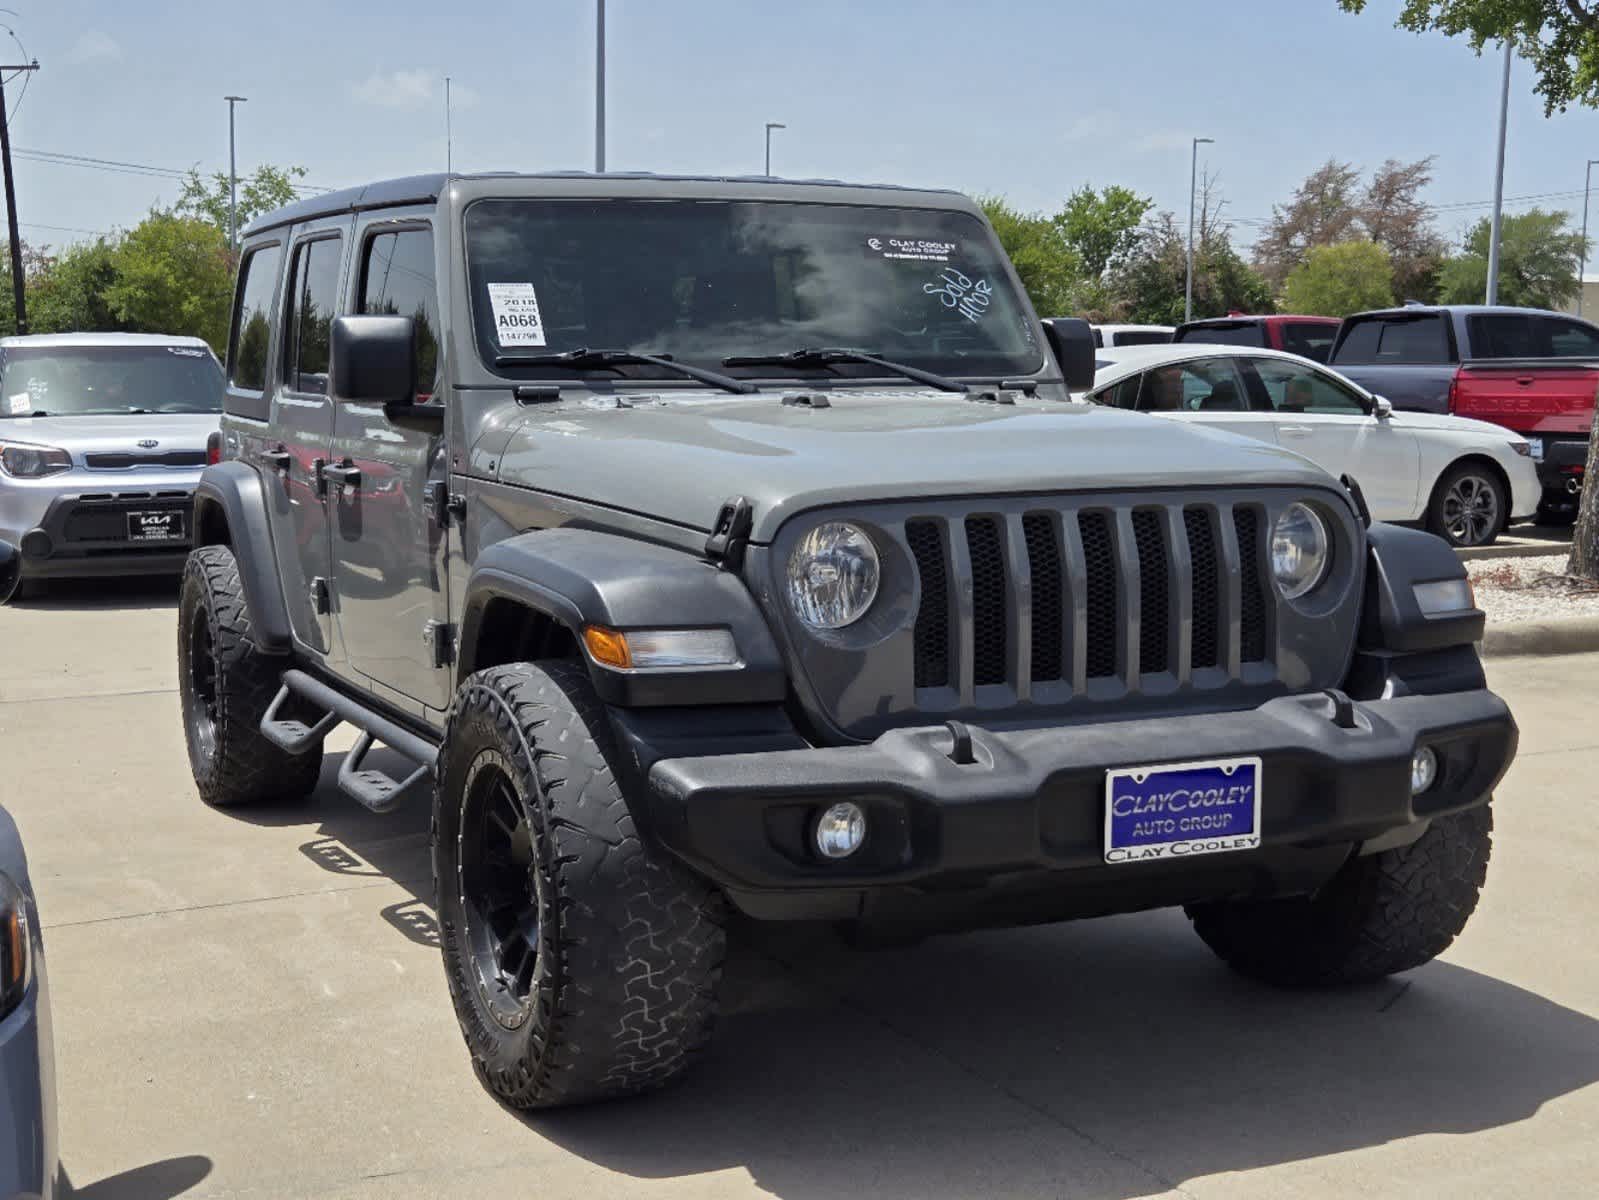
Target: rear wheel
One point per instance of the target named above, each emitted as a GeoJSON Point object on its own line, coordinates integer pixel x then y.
{"type": "Point", "coordinates": [1384, 913]}
{"type": "Point", "coordinates": [582, 962]}
{"type": "Point", "coordinates": [1469, 506]}
{"type": "Point", "coordinates": [225, 685]}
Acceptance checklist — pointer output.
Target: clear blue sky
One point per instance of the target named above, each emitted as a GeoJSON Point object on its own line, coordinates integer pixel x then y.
{"type": "Point", "coordinates": [1029, 98]}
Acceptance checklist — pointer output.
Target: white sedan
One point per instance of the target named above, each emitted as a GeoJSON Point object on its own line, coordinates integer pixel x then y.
{"type": "Point", "coordinates": [1465, 480]}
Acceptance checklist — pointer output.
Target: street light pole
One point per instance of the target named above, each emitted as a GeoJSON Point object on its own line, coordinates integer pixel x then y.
{"type": "Point", "coordinates": [1582, 266]}
{"type": "Point", "coordinates": [1193, 183]}
{"type": "Point", "coordinates": [771, 125]}
{"type": "Point", "coordinates": [19, 294]}
{"type": "Point", "coordinates": [1499, 183]}
{"type": "Point", "coordinates": [449, 142]}
{"type": "Point", "coordinates": [233, 177]}
{"type": "Point", "coordinates": [599, 87]}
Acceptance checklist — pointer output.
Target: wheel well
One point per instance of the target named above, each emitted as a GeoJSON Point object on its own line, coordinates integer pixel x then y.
{"type": "Point", "coordinates": [509, 631]}
{"type": "Point", "coordinates": [211, 525]}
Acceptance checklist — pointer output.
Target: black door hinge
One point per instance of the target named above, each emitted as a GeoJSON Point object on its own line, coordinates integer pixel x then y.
{"type": "Point", "coordinates": [440, 505]}
{"type": "Point", "coordinates": [439, 638]}
{"type": "Point", "coordinates": [321, 597]}
{"type": "Point", "coordinates": [730, 534]}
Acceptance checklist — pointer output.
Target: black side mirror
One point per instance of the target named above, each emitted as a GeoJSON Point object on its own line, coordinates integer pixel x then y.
{"type": "Point", "coordinates": [1072, 340]}
{"type": "Point", "coordinates": [374, 361]}
{"type": "Point", "coordinates": [10, 570]}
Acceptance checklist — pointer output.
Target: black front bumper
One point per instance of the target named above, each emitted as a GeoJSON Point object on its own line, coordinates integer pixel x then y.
{"type": "Point", "coordinates": [87, 536]}
{"type": "Point", "coordinates": [1024, 823]}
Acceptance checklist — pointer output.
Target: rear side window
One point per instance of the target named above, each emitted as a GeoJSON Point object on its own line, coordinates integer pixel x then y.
{"type": "Point", "coordinates": [1384, 340]}
{"type": "Point", "coordinates": [1241, 333]}
{"type": "Point", "coordinates": [252, 320]}
{"type": "Point", "coordinates": [308, 321]}
{"type": "Point", "coordinates": [397, 280]}
{"type": "Point", "coordinates": [1571, 339]}
{"type": "Point", "coordinates": [1309, 339]}
{"type": "Point", "coordinates": [1142, 337]}
{"type": "Point", "coordinates": [1506, 335]}
{"type": "Point", "coordinates": [1206, 385]}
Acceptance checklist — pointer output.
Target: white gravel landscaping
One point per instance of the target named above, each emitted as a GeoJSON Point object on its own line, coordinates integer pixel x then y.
{"type": "Point", "coordinates": [1531, 589]}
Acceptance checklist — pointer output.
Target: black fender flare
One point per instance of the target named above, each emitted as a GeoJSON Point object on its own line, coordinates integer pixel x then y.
{"type": "Point", "coordinates": [581, 577]}
{"type": "Point", "coordinates": [1392, 619]}
{"type": "Point", "coordinates": [235, 489]}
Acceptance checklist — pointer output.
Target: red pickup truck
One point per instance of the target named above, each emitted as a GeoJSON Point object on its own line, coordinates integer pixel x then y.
{"type": "Point", "coordinates": [1531, 371]}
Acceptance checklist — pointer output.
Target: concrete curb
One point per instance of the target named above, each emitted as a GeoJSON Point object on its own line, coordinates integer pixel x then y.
{"type": "Point", "coordinates": [1518, 550]}
{"type": "Point", "coordinates": [1573, 635]}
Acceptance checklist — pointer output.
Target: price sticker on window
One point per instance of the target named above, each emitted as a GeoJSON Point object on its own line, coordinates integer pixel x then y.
{"type": "Point", "coordinates": [517, 320]}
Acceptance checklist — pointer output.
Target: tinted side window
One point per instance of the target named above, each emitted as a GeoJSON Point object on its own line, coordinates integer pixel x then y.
{"type": "Point", "coordinates": [252, 319]}
{"type": "Point", "coordinates": [1421, 339]}
{"type": "Point", "coordinates": [1121, 395]}
{"type": "Point", "coordinates": [1208, 385]}
{"type": "Point", "coordinates": [1505, 335]}
{"type": "Point", "coordinates": [1142, 337]}
{"type": "Point", "coordinates": [1243, 333]}
{"type": "Point", "coordinates": [1310, 339]}
{"type": "Point", "coordinates": [1571, 339]}
{"type": "Point", "coordinates": [1299, 389]}
{"type": "Point", "coordinates": [397, 279]}
{"type": "Point", "coordinates": [308, 321]}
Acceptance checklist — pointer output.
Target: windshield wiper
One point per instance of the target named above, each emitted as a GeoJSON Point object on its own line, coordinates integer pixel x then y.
{"type": "Point", "coordinates": [585, 356]}
{"type": "Point", "coordinates": [822, 356]}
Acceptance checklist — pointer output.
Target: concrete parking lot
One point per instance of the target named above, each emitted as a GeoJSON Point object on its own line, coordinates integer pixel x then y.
{"type": "Point", "coordinates": [251, 1004]}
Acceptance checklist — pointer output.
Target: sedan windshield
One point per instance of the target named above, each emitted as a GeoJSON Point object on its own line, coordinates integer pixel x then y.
{"type": "Point", "coordinates": [71, 381]}
{"type": "Point", "coordinates": [707, 281]}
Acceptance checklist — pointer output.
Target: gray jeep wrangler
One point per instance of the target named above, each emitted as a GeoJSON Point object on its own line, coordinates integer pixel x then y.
{"type": "Point", "coordinates": [715, 544]}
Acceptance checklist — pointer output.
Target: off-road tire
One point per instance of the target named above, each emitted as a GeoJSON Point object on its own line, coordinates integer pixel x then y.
{"type": "Point", "coordinates": [1436, 520]}
{"type": "Point", "coordinates": [1381, 914]}
{"type": "Point", "coordinates": [629, 945]}
{"type": "Point", "coordinates": [235, 765]}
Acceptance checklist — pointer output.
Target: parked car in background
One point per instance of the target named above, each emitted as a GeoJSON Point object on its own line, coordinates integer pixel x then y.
{"type": "Point", "coordinates": [27, 1060]}
{"type": "Point", "coordinates": [1132, 335]}
{"type": "Point", "coordinates": [1310, 337]}
{"type": "Point", "coordinates": [1465, 479]}
{"type": "Point", "coordinates": [1529, 370]}
{"type": "Point", "coordinates": [102, 439]}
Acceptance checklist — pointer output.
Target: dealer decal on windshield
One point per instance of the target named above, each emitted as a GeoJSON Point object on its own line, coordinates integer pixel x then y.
{"type": "Point", "coordinates": [959, 291]}
{"type": "Point", "coordinates": [919, 249]}
{"type": "Point", "coordinates": [19, 403]}
{"type": "Point", "coordinates": [517, 320]}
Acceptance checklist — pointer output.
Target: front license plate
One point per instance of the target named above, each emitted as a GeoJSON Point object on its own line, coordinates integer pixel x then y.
{"type": "Point", "coordinates": [156, 526]}
{"type": "Point", "coordinates": [1181, 810]}
{"type": "Point", "coordinates": [1535, 448]}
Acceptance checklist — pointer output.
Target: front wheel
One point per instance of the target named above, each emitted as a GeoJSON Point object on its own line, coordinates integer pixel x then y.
{"type": "Point", "coordinates": [1383, 913]}
{"type": "Point", "coordinates": [583, 963]}
{"type": "Point", "coordinates": [1469, 507]}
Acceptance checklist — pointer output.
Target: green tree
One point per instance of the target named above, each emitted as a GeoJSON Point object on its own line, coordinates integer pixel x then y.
{"type": "Point", "coordinates": [1102, 227]}
{"type": "Point", "coordinates": [269, 188]}
{"type": "Point", "coordinates": [1538, 259]}
{"type": "Point", "coordinates": [1050, 269]}
{"type": "Point", "coordinates": [1149, 285]}
{"type": "Point", "coordinates": [1335, 281]}
{"type": "Point", "coordinates": [71, 295]}
{"type": "Point", "coordinates": [1560, 38]}
{"type": "Point", "coordinates": [174, 274]}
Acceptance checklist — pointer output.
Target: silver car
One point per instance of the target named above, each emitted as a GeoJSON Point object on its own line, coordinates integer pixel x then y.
{"type": "Point", "coordinates": [28, 1164]}
{"type": "Point", "coordinates": [102, 439]}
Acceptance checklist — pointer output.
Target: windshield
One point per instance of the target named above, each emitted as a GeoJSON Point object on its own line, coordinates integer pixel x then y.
{"type": "Point", "coordinates": [76, 381]}
{"type": "Point", "coordinates": [703, 281]}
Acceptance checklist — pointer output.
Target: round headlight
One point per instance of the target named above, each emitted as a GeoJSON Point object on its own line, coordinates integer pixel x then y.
{"type": "Point", "coordinates": [832, 576]}
{"type": "Point", "coordinates": [1299, 550]}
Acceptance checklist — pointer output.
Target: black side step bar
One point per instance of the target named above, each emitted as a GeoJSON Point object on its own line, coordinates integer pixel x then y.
{"type": "Point", "coordinates": [372, 788]}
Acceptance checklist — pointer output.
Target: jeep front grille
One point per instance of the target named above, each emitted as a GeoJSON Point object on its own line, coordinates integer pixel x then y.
{"type": "Point", "coordinates": [1117, 594]}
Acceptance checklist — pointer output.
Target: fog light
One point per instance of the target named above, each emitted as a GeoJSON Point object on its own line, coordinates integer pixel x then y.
{"type": "Point", "coordinates": [1423, 770]}
{"type": "Point", "coordinates": [840, 830]}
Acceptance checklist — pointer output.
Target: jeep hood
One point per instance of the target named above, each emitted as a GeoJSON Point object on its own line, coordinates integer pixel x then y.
{"type": "Point", "coordinates": [678, 459]}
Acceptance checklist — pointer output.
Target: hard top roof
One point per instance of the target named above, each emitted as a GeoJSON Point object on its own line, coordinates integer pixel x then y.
{"type": "Point", "coordinates": [31, 341]}
{"type": "Point", "coordinates": [423, 189]}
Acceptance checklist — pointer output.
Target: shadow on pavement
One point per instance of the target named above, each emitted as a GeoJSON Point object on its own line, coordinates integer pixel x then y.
{"type": "Point", "coordinates": [162, 1180]}
{"type": "Point", "coordinates": [83, 595]}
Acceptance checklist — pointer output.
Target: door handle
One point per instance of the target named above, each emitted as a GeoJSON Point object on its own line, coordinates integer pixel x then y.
{"type": "Point", "coordinates": [279, 459]}
{"type": "Point", "coordinates": [343, 475]}
{"type": "Point", "coordinates": [1525, 380]}
{"type": "Point", "coordinates": [1295, 430]}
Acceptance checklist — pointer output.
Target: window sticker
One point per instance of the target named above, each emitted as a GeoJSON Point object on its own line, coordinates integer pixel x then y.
{"type": "Point", "coordinates": [918, 249]}
{"type": "Point", "coordinates": [185, 351]}
{"type": "Point", "coordinates": [19, 402]}
{"type": "Point", "coordinates": [517, 321]}
{"type": "Point", "coordinates": [967, 296]}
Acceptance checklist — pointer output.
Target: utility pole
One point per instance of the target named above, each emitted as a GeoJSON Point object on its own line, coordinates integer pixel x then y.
{"type": "Point", "coordinates": [599, 87]}
{"type": "Point", "coordinates": [449, 144]}
{"type": "Point", "coordinates": [1499, 183]}
{"type": "Point", "coordinates": [1193, 182]}
{"type": "Point", "coordinates": [233, 177]}
{"type": "Point", "coordinates": [18, 293]}
{"type": "Point", "coordinates": [771, 125]}
{"type": "Point", "coordinates": [1582, 266]}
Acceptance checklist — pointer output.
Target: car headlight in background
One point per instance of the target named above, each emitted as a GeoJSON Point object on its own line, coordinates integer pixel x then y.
{"type": "Point", "coordinates": [13, 944]}
{"type": "Point", "coordinates": [832, 575]}
{"type": "Point", "coordinates": [23, 461]}
{"type": "Point", "coordinates": [1299, 550]}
